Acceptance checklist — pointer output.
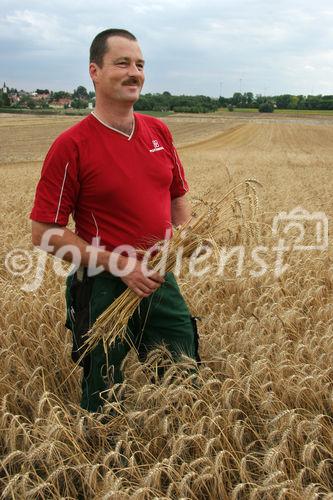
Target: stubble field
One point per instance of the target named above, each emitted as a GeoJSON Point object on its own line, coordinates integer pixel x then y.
{"type": "Point", "coordinates": [259, 425]}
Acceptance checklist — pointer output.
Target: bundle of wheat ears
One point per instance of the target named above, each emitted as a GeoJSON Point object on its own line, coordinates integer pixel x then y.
{"type": "Point", "coordinates": [232, 214]}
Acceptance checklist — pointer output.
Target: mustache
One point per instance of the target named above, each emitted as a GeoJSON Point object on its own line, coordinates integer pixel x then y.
{"type": "Point", "coordinates": [132, 81]}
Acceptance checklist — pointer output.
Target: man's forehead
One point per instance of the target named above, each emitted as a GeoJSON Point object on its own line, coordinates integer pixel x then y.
{"type": "Point", "coordinates": [119, 46]}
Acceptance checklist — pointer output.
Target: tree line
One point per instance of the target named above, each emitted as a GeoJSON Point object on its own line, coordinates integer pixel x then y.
{"type": "Point", "coordinates": [284, 101]}
{"type": "Point", "coordinates": [204, 104]}
{"type": "Point", "coordinates": [175, 103]}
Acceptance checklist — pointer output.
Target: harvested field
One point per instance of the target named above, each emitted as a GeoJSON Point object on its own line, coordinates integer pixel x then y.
{"type": "Point", "coordinates": [259, 424]}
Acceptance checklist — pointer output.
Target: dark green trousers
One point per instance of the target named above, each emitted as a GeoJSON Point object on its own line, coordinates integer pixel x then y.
{"type": "Point", "coordinates": [161, 318]}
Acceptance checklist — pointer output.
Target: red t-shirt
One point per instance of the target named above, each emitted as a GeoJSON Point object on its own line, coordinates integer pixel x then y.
{"type": "Point", "coordinates": [117, 188]}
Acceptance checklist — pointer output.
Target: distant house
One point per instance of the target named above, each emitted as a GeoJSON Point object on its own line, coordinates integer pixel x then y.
{"type": "Point", "coordinates": [40, 97]}
{"type": "Point", "coordinates": [14, 98]}
{"type": "Point", "coordinates": [63, 101]}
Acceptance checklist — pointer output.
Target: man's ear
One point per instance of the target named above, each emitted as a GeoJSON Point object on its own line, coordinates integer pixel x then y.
{"type": "Point", "coordinates": [93, 72]}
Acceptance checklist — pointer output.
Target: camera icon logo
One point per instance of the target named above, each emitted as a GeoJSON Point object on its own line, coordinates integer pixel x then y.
{"type": "Point", "coordinates": [312, 228]}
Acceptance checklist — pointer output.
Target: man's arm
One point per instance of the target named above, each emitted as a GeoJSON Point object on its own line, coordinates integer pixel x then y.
{"type": "Point", "coordinates": [66, 237]}
{"type": "Point", "coordinates": [142, 285]}
{"type": "Point", "coordinates": [180, 211]}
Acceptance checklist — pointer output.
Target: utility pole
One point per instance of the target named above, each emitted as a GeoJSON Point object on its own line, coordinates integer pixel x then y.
{"type": "Point", "coordinates": [221, 89]}
{"type": "Point", "coordinates": [240, 85]}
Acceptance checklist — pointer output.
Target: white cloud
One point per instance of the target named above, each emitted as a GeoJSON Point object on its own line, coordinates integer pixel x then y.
{"type": "Point", "coordinates": [35, 26]}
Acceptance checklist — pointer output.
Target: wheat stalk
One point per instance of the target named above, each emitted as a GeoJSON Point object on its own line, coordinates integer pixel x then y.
{"type": "Point", "coordinates": [214, 218]}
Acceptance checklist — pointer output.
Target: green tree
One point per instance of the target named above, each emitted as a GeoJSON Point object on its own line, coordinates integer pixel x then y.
{"type": "Point", "coordinates": [294, 101]}
{"type": "Point", "coordinates": [60, 94]}
{"type": "Point", "coordinates": [266, 107]}
{"type": "Point", "coordinates": [80, 93]}
{"type": "Point", "coordinates": [223, 101]}
{"type": "Point", "coordinates": [4, 100]}
{"type": "Point", "coordinates": [249, 98]}
{"type": "Point", "coordinates": [301, 104]}
{"type": "Point", "coordinates": [237, 99]}
{"type": "Point", "coordinates": [260, 99]}
{"type": "Point", "coordinates": [44, 104]}
{"type": "Point", "coordinates": [79, 104]}
{"type": "Point", "coordinates": [283, 101]}
{"type": "Point", "coordinates": [26, 102]}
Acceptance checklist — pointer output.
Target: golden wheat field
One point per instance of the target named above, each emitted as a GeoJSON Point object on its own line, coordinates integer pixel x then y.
{"type": "Point", "coordinates": [259, 424]}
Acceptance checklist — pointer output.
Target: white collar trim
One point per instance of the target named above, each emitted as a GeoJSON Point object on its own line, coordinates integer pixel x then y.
{"type": "Point", "coordinates": [129, 137]}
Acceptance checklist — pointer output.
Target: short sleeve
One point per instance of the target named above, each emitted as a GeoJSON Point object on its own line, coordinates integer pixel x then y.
{"type": "Point", "coordinates": [179, 185]}
{"type": "Point", "coordinates": [58, 187]}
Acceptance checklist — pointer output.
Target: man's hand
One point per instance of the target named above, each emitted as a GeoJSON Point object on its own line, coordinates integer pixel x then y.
{"type": "Point", "coordinates": [138, 281]}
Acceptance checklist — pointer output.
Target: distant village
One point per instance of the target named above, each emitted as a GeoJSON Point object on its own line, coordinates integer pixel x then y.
{"type": "Point", "coordinates": [44, 98]}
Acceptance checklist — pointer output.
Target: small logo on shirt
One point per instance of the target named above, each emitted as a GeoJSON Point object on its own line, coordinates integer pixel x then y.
{"type": "Point", "coordinates": [156, 145]}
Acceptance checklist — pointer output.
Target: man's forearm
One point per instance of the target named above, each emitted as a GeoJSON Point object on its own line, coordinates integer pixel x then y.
{"type": "Point", "coordinates": [53, 238]}
{"type": "Point", "coordinates": [180, 211]}
{"type": "Point", "coordinates": [59, 236]}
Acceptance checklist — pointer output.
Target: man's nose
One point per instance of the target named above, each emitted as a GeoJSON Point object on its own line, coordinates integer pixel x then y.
{"type": "Point", "coordinates": [133, 70]}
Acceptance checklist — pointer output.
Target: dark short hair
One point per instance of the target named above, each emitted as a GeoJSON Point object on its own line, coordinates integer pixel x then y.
{"type": "Point", "coordinates": [99, 44]}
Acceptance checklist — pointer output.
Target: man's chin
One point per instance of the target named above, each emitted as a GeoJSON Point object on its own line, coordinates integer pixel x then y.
{"type": "Point", "coordinates": [131, 98]}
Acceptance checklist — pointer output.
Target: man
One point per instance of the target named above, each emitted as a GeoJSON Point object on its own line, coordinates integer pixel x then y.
{"type": "Point", "coordinates": [119, 175]}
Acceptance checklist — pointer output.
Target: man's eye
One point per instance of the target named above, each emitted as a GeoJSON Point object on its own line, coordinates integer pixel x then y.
{"type": "Point", "coordinates": [122, 63]}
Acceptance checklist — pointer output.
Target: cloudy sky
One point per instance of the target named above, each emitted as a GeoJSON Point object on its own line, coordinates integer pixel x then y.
{"type": "Point", "coordinates": [190, 46]}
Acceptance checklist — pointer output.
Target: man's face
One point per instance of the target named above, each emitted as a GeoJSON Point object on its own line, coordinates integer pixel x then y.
{"type": "Point", "coordinates": [121, 76]}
